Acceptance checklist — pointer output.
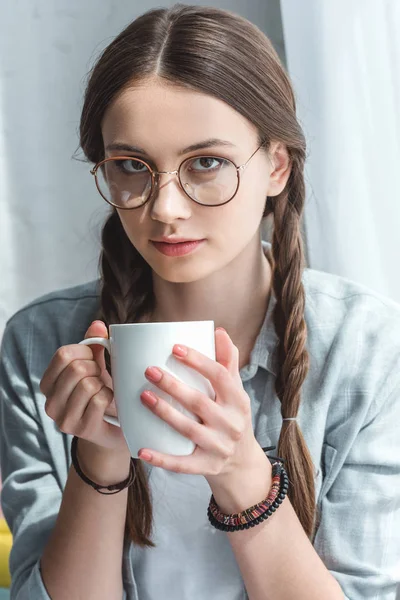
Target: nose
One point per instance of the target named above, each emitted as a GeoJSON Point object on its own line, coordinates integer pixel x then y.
{"type": "Point", "coordinates": [170, 202]}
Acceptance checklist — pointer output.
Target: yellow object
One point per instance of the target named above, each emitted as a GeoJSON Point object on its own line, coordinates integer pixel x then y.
{"type": "Point", "coordinates": [5, 547]}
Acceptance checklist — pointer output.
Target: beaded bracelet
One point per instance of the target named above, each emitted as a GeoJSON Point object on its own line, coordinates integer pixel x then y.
{"type": "Point", "coordinates": [258, 512]}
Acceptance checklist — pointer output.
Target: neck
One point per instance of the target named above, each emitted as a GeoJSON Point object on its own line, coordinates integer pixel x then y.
{"type": "Point", "coordinates": [236, 303]}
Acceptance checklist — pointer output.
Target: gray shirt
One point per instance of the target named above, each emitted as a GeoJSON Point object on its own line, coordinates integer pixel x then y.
{"type": "Point", "coordinates": [349, 416]}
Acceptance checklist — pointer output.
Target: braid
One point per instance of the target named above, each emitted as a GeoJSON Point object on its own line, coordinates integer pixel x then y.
{"type": "Point", "coordinates": [290, 326]}
{"type": "Point", "coordinates": [126, 297]}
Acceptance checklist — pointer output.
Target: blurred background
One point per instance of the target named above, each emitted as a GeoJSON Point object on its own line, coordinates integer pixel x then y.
{"type": "Point", "coordinates": [343, 59]}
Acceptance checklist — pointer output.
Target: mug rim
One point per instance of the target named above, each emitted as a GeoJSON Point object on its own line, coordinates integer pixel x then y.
{"type": "Point", "coordinates": [159, 323]}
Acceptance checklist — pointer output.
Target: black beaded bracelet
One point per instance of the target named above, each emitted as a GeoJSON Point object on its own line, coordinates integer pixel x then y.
{"type": "Point", "coordinates": [112, 489]}
{"type": "Point", "coordinates": [267, 510]}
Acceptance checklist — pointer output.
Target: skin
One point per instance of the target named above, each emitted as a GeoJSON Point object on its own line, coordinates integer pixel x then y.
{"type": "Point", "coordinates": [204, 285]}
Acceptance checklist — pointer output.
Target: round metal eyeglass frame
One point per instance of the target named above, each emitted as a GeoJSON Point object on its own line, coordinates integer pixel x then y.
{"type": "Point", "coordinates": [155, 176]}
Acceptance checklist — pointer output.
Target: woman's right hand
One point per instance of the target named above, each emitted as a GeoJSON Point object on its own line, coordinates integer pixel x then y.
{"type": "Point", "coordinates": [79, 392]}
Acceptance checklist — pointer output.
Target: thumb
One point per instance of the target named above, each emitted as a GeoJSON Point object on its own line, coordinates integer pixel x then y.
{"type": "Point", "coordinates": [98, 329]}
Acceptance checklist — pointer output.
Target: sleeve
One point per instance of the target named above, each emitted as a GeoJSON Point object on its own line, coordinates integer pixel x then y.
{"type": "Point", "coordinates": [31, 495]}
{"type": "Point", "coordinates": [358, 537]}
{"type": "Point", "coordinates": [32, 485]}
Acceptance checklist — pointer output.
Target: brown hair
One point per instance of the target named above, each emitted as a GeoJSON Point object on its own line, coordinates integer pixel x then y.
{"type": "Point", "coordinates": [222, 54]}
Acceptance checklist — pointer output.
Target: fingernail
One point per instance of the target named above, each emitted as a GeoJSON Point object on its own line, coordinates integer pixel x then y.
{"type": "Point", "coordinates": [180, 350]}
{"type": "Point", "coordinates": [149, 397]}
{"type": "Point", "coordinates": [153, 373]}
{"type": "Point", "coordinates": [144, 455]}
{"type": "Point", "coordinates": [221, 329]}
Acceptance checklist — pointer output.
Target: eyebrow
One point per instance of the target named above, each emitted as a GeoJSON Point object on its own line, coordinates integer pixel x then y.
{"type": "Point", "coordinates": [192, 148]}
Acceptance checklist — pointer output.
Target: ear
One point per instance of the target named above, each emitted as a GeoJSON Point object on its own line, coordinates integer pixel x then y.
{"type": "Point", "coordinates": [280, 162]}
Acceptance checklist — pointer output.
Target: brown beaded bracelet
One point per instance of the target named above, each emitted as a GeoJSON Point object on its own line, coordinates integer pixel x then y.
{"type": "Point", "coordinates": [112, 489]}
{"type": "Point", "coordinates": [258, 512]}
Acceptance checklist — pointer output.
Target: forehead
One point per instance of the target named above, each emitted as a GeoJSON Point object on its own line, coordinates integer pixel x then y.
{"type": "Point", "coordinates": [155, 114]}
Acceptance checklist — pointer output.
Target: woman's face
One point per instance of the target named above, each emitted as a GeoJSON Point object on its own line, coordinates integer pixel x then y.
{"type": "Point", "coordinates": [162, 120]}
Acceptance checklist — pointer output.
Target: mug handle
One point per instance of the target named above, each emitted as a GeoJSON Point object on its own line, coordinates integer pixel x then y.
{"type": "Point", "coordinates": [106, 343]}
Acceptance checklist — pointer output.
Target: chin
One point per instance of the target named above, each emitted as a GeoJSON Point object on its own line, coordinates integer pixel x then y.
{"type": "Point", "coordinates": [176, 275]}
{"type": "Point", "coordinates": [180, 272]}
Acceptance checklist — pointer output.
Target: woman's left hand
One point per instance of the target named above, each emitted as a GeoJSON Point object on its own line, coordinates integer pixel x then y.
{"type": "Point", "coordinates": [225, 442]}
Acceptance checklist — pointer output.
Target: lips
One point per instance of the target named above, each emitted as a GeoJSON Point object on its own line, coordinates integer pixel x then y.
{"type": "Point", "coordinates": [177, 240]}
{"type": "Point", "coordinates": [177, 248]}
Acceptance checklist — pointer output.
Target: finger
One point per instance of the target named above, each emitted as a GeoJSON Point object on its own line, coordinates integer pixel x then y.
{"type": "Point", "coordinates": [67, 381]}
{"type": "Point", "coordinates": [66, 354]}
{"type": "Point", "coordinates": [93, 425]}
{"type": "Point", "coordinates": [187, 426]}
{"type": "Point", "coordinates": [68, 414]}
{"type": "Point", "coordinates": [226, 353]}
{"type": "Point", "coordinates": [169, 462]}
{"type": "Point", "coordinates": [98, 329]}
{"type": "Point", "coordinates": [208, 410]}
{"type": "Point", "coordinates": [61, 359]}
{"type": "Point", "coordinates": [218, 375]}
{"type": "Point", "coordinates": [85, 418]}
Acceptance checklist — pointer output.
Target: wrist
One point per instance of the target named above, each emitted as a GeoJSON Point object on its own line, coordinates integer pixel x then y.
{"type": "Point", "coordinates": [101, 465]}
{"type": "Point", "coordinates": [244, 487]}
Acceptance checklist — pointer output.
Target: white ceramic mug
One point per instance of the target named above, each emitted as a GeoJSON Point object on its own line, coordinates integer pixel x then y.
{"type": "Point", "coordinates": [135, 346]}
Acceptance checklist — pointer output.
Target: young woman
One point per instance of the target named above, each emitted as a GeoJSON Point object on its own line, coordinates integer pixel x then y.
{"type": "Point", "coordinates": [190, 122]}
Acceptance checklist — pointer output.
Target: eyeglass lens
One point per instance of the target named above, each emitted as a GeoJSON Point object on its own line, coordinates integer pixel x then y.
{"type": "Point", "coordinates": [127, 182]}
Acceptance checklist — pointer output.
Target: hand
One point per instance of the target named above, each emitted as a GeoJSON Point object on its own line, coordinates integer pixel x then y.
{"type": "Point", "coordinates": [225, 442]}
{"type": "Point", "coordinates": [79, 391]}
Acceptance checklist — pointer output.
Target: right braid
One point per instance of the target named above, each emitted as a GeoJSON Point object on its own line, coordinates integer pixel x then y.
{"type": "Point", "coordinates": [291, 329]}
{"type": "Point", "coordinates": [126, 296]}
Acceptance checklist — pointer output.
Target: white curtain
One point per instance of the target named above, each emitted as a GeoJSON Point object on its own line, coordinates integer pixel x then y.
{"type": "Point", "coordinates": [344, 60]}
{"type": "Point", "coordinates": [49, 211]}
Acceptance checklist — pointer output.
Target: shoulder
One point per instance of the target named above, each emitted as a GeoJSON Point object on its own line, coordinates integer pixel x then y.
{"type": "Point", "coordinates": [353, 337]}
{"type": "Point", "coordinates": [337, 305]}
{"type": "Point", "coordinates": [54, 319]}
{"type": "Point", "coordinates": [344, 294]}
{"type": "Point", "coordinates": [60, 299]}
{"type": "Point", "coordinates": [59, 302]}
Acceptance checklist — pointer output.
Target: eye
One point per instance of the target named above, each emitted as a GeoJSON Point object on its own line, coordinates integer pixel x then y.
{"type": "Point", "coordinates": [130, 166]}
{"type": "Point", "coordinates": [206, 164]}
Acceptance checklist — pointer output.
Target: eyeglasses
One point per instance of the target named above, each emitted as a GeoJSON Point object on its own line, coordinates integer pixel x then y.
{"type": "Point", "coordinates": [127, 182]}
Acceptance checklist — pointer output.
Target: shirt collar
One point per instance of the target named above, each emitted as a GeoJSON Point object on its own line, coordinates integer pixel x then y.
{"type": "Point", "coordinates": [263, 353]}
